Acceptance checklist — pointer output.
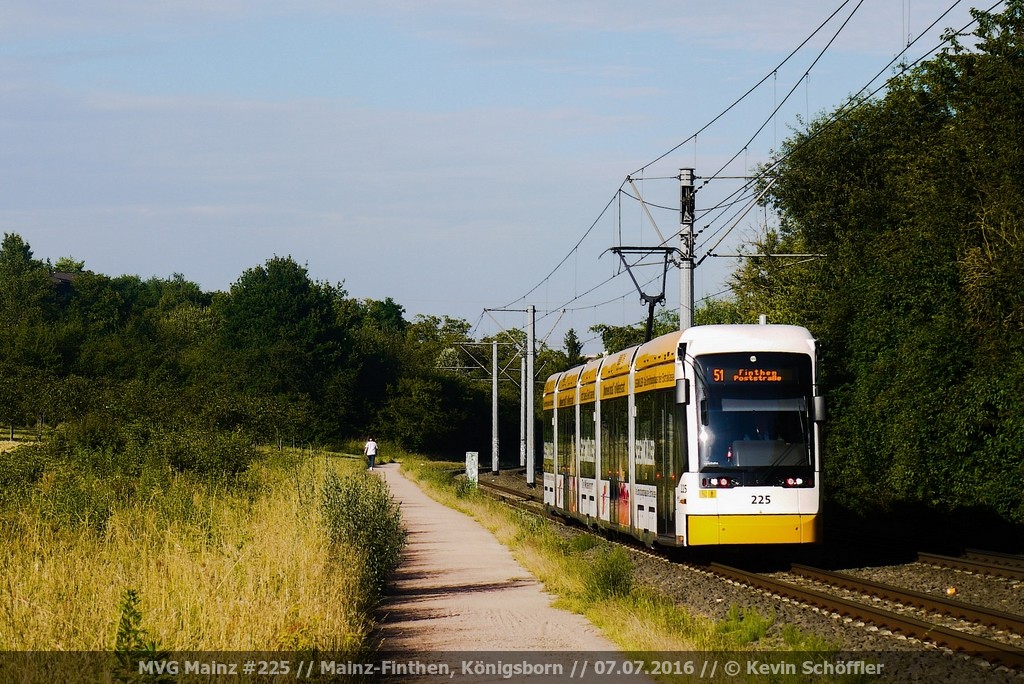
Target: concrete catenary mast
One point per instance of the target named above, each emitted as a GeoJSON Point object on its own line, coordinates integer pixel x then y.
{"type": "Point", "coordinates": [686, 209]}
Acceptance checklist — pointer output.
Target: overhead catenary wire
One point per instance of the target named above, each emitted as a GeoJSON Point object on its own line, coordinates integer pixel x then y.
{"type": "Point", "coordinates": [863, 95]}
{"type": "Point", "coordinates": [750, 206]}
{"type": "Point", "coordinates": [857, 101]}
{"type": "Point", "coordinates": [771, 117]}
{"type": "Point", "coordinates": [676, 147]}
{"type": "Point", "coordinates": [566, 257]}
{"type": "Point", "coordinates": [742, 195]}
{"type": "Point", "coordinates": [744, 96]}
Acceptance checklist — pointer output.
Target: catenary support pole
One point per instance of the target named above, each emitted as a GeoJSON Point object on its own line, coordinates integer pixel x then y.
{"type": "Point", "coordinates": [686, 246]}
{"type": "Point", "coordinates": [531, 348]}
{"type": "Point", "coordinates": [494, 407]}
{"type": "Point", "coordinates": [522, 411]}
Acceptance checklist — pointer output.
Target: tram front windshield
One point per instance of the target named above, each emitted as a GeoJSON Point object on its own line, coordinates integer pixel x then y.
{"type": "Point", "coordinates": [753, 410]}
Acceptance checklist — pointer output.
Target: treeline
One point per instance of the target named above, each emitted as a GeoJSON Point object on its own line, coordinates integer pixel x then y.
{"type": "Point", "coordinates": [110, 362]}
{"type": "Point", "coordinates": [916, 201]}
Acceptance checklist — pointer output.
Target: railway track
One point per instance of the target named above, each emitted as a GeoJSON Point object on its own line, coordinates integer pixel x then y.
{"type": "Point", "coordinates": [825, 599]}
{"type": "Point", "coordinates": [511, 495]}
{"type": "Point", "coordinates": [1009, 559]}
{"type": "Point", "coordinates": [995, 619]}
{"type": "Point", "coordinates": [987, 649]}
{"type": "Point", "coordinates": [979, 562]}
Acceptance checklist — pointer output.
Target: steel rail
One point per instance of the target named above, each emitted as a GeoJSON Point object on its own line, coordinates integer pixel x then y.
{"type": "Point", "coordinates": [987, 649]}
{"type": "Point", "coordinates": [507, 492]}
{"type": "Point", "coordinates": [938, 604]}
{"type": "Point", "coordinates": [517, 499]}
{"type": "Point", "coordinates": [978, 566]}
{"type": "Point", "coordinates": [1011, 560]}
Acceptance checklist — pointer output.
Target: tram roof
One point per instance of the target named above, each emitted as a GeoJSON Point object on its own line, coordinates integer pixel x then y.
{"type": "Point", "coordinates": [591, 370]}
{"type": "Point", "coordinates": [618, 363]}
{"type": "Point", "coordinates": [570, 378]}
{"type": "Point", "coordinates": [658, 351]}
{"type": "Point", "coordinates": [708, 339]}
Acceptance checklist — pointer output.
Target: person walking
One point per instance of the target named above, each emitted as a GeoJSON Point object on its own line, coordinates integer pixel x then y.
{"type": "Point", "coordinates": [371, 451]}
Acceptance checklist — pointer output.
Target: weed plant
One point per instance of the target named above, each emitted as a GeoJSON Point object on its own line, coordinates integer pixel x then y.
{"type": "Point", "coordinates": [610, 574]}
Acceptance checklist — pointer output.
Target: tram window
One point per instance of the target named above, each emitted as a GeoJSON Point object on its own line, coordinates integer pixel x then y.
{"type": "Point", "coordinates": [566, 441]}
{"type": "Point", "coordinates": [549, 441]}
{"type": "Point", "coordinates": [614, 438]}
{"type": "Point", "coordinates": [587, 441]}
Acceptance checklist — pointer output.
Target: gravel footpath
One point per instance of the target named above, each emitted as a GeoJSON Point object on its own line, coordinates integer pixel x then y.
{"type": "Point", "coordinates": [908, 660]}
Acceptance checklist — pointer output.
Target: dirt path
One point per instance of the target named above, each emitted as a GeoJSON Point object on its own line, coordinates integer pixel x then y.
{"type": "Point", "coordinates": [458, 588]}
{"type": "Point", "coordinates": [460, 594]}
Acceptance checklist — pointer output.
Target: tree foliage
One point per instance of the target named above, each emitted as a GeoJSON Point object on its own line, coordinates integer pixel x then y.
{"type": "Point", "coordinates": [115, 363]}
{"type": "Point", "coordinates": [916, 198]}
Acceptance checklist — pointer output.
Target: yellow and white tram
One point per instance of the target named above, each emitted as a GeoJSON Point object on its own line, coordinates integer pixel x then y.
{"type": "Point", "coordinates": [710, 436]}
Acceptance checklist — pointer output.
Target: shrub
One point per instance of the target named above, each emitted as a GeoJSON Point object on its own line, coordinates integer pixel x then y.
{"type": "Point", "coordinates": [19, 470]}
{"type": "Point", "coordinates": [132, 642]}
{"type": "Point", "coordinates": [205, 452]}
{"type": "Point", "coordinates": [71, 497]}
{"type": "Point", "coordinates": [610, 573]}
{"type": "Point", "coordinates": [465, 488]}
{"type": "Point", "coordinates": [359, 513]}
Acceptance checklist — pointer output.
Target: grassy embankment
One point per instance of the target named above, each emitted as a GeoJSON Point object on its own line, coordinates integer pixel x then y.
{"type": "Point", "coordinates": [596, 579]}
{"type": "Point", "coordinates": [174, 561]}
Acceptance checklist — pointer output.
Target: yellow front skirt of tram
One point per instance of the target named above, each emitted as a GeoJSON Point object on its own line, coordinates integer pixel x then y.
{"type": "Point", "coordinates": [752, 529]}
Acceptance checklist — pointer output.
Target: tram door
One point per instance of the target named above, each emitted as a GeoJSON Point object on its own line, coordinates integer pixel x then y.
{"type": "Point", "coordinates": [659, 462]}
{"type": "Point", "coordinates": [550, 477]}
{"type": "Point", "coordinates": [615, 458]}
{"type": "Point", "coordinates": [613, 393]}
{"type": "Point", "coordinates": [645, 454]}
{"type": "Point", "coordinates": [588, 464]}
{"type": "Point", "coordinates": [567, 450]}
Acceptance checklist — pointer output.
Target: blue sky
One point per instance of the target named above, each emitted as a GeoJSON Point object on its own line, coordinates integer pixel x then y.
{"type": "Point", "coordinates": [447, 154]}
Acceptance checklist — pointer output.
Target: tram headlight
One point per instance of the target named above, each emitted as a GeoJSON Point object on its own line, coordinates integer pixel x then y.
{"type": "Point", "coordinates": [798, 482]}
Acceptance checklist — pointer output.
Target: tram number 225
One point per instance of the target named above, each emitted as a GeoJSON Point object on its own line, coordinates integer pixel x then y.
{"type": "Point", "coordinates": [760, 499]}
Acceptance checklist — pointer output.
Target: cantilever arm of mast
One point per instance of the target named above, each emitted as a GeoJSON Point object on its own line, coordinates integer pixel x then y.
{"type": "Point", "coordinates": [666, 252]}
{"type": "Point", "coordinates": [651, 300]}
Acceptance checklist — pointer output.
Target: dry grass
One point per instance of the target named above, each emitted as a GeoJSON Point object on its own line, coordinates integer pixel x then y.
{"type": "Point", "coordinates": [214, 569]}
